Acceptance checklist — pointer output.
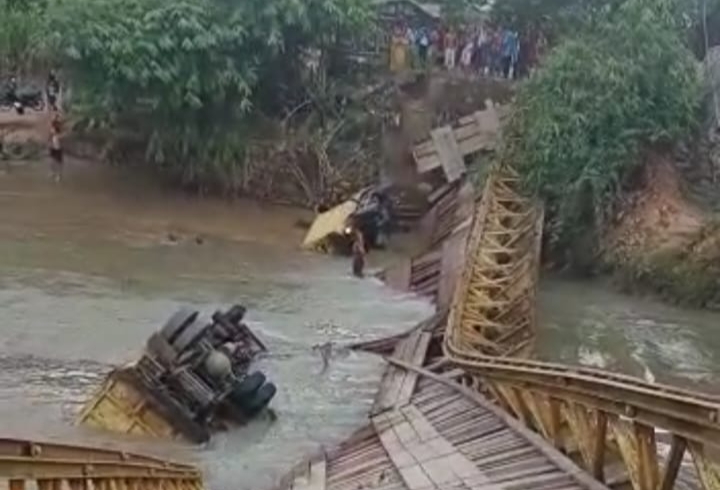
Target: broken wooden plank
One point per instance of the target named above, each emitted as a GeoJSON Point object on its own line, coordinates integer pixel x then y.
{"type": "Point", "coordinates": [418, 358]}
{"type": "Point", "coordinates": [487, 121]}
{"type": "Point", "coordinates": [449, 153]}
{"type": "Point", "coordinates": [399, 275]}
{"type": "Point", "coordinates": [395, 377]}
{"type": "Point", "coordinates": [476, 132]}
{"type": "Point", "coordinates": [314, 478]}
{"type": "Point", "coordinates": [451, 266]}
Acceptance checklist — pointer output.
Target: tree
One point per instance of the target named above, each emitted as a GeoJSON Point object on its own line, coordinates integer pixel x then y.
{"type": "Point", "coordinates": [182, 75]}
{"type": "Point", "coordinates": [22, 35]}
{"type": "Point", "coordinates": [602, 95]}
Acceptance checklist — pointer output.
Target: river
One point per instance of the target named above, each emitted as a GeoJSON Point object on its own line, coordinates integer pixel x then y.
{"type": "Point", "coordinates": [592, 324]}
{"type": "Point", "coordinates": [90, 268]}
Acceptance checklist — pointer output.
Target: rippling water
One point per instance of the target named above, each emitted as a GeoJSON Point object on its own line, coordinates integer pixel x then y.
{"type": "Point", "coordinates": [590, 324]}
{"type": "Point", "coordinates": [86, 276]}
{"type": "Point", "coordinates": [62, 332]}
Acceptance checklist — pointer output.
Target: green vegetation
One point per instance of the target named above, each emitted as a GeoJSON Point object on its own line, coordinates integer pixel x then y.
{"type": "Point", "coordinates": [184, 75]}
{"type": "Point", "coordinates": [23, 35]}
{"type": "Point", "coordinates": [182, 84]}
{"type": "Point", "coordinates": [580, 123]}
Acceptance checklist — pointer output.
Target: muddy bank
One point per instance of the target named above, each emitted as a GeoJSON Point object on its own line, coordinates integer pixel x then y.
{"type": "Point", "coordinates": [666, 238]}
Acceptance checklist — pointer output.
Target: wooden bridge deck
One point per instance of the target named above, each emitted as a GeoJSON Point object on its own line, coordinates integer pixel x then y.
{"type": "Point", "coordinates": [445, 228]}
{"type": "Point", "coordinates": [427, 431]}
{"type": "Point", "coordinates": [441, 440]}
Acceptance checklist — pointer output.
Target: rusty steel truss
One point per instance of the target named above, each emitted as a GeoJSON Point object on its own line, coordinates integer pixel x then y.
{"type": "Point", "coordinates": [493, 309]}
{"type": "Point", "coordinates": [613, 425]}
{"type": "Point", "coordinates": [26, 465]}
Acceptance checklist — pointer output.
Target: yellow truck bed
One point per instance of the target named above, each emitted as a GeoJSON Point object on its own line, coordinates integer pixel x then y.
{"type": "Point", "coordinates": [120, 406]}
{"type": "Point", "coordinates": [327, 224]}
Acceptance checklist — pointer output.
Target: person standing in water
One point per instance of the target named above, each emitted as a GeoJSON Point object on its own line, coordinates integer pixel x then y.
{"type": "Point", "coordinates": [56, 152]}
{"type": "Point", "coordinates": [358, 253]}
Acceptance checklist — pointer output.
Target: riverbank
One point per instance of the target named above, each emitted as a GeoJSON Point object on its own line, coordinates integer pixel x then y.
{"type": "Point", "coordinates": [665, 238]}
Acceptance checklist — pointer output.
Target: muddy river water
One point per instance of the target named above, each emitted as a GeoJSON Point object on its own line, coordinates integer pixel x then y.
{"type": "Point", "coordinates": [90, 268]}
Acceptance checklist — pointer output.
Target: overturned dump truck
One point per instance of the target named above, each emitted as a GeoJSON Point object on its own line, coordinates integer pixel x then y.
{"type": "Point", "coordinates": [369, 211]}
{"type": "Point", "coordinates": [192, 379]}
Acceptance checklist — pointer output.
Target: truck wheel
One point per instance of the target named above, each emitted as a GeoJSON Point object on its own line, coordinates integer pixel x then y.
{"type": "Point", "coordinates": [177, 323]}
{"type": "Point", "coordinates": [236, 313]}
{"type": "Point", "coordinates": [260, 400]}
{"type": "Point", "coordinates": [189, 336]}
{"type": "Point", "coordinates": [248, 386]}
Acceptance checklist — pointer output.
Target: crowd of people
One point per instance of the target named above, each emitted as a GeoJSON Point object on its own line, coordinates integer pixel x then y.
{"type": "Point", "coordinates": [486, 49]}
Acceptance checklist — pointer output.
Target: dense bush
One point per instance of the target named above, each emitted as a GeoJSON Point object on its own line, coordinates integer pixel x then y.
{"type": "Point", "coordinates": [23, 36]}
{"type": "Point", "coordinates": [601, 96]}
{"type": "Point", "coordinates": [182, 76]}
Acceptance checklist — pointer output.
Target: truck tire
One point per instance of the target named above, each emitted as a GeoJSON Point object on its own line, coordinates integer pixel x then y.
{"type": "Point", "coordinates": [236, 313]}
{"type": "Point", "coordinates": [189, 336]}
{"type": "Point", "coordinates": [177, 323]}
{"type": "Point", "coordinates": [248, 386]}
{"type": "Point", "coordinates": [260, 399]}
{"type": "Point", "coordinates": [161, 350]}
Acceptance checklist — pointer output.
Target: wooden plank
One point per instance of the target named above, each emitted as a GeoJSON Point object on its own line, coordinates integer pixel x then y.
{"type": "Point", "coordinates": [395, 377]}
{"type": "Point", "coordinates": [424, 458]}
{"type": "Point", "coordinates": [487, 121]}
{"type": "Point", "coordinates": [598, 450]}
{"type": "Point", "coordinates": [398, 276]}
{"type": "Point", "coordinates": [476, 143]}
{"type": "Point", "coordinates": [465, 203]}
{"type": "Point", "coordinates": [466, 131]}
{"type": "Point", "coordinates": [449, 152]}
{"type": "Point", "coordinates": [427, 163]}
{"type": "Point", "coordinates": [315, 478]}
{"type": "Point", "coordinates": [476, 132]}
{"type": "Point", "coordinates": [441, 192]}
{"type": "Point", "coordinates": [388, 386]}
{"type": "Point", "coordinates": [418, 358]}
{"type": "Point", "coordinates": [677, 450]}
{"type": "Point", "coordinates": [562, 462]}
{"type": "Point", "coordinates": [451, 266]}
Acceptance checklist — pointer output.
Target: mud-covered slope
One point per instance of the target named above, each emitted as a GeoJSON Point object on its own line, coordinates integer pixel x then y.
{"type": "Point", "coordinates": [666, 239]}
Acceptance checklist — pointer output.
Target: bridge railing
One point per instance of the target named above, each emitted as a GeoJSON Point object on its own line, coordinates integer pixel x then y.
{"type": "Point", "coordinates": [29, 465]}
{"type": "Point", "coordinates": [612, 424]}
